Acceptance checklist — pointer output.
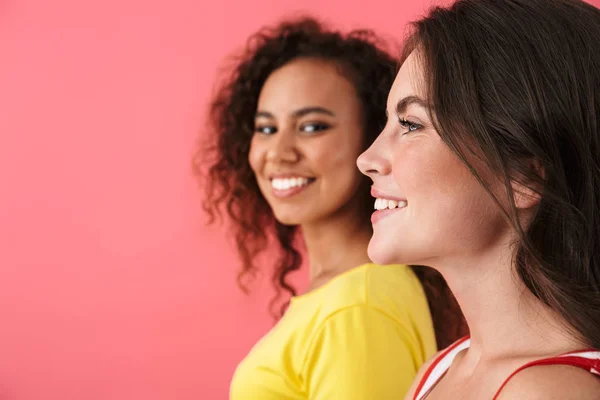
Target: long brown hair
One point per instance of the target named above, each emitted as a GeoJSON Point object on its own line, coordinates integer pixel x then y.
{"type": "Point", "coordinates": [514, 81]}
{"type": "Point", "coordinates": [230, 183]}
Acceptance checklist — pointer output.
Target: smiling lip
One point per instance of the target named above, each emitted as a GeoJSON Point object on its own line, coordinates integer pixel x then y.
{"type": "Point", "coordinates": [379, 214]}
{"type": "Point", "coordinates": [285, 175]}
{"type": "Point", "coordinates": [288, 192]}
{"type": "Point", "coordinates": [379, 194]}
{"type": "Point", "coordinates": [283, 194]}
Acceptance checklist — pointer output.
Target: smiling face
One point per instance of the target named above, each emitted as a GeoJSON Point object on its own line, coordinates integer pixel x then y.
{"type": "Point", "coordinates": [432, 208]}
{"type": "Point", "coordinates": [308, 134]}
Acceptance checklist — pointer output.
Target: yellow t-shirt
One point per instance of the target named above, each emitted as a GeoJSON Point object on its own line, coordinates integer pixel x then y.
{"type": "Point", "coordinates": [363, 335]}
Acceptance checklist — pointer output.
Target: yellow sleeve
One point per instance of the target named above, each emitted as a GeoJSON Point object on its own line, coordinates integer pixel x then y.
{"type": "Point", "coordinates": [359, 353]}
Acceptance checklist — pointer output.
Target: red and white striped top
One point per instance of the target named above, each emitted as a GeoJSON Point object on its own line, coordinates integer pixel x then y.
{"type": "Point", "coordinates": [586, 359]}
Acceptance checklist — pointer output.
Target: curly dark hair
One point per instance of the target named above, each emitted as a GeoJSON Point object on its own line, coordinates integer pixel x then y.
{"type": "Point", "coordinates": [230, 183]}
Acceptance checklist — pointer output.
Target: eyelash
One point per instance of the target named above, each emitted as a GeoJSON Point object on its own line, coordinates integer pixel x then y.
{"type": "Point", "coordinates": [318, 127]}
{"type": "Point", "coordinates": [261, 130]}
{"type": "Point", "coordinates": [404, 123]}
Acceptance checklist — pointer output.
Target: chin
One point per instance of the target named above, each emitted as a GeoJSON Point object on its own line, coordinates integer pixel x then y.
{"type": "Point", "coordinates": [287, 221]}
{"type": "Point", "coordinates": [298, 216]}
{"type": "Point", "coordinates": [380, 254]}
{"type": "Point", "coordinates": [385, 252]}
{"type": "Point", "coordinates": [288, 218]}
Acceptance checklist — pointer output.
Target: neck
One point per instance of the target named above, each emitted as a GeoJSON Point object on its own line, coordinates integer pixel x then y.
{"type": "Point", "coordinates": [505, 319]}
{"type": "Point", "coordinates": [335, 245]}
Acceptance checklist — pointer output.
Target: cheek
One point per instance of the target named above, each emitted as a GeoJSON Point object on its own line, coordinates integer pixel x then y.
{"type": "Point", "coordinates": [413, 169]}
{"type": "Point", "coordinates": [427, 168]}
{"type": "Point", "coordinates": [335, 154]}
{"type": "Point", "coordinates": [341, 161]}
{"type": "Point", "coordinates": [255, 156]}
{"type": "Point", "coordinates": [444, 196]}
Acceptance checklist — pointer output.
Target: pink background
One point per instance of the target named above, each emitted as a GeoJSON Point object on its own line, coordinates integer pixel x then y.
{"type": "Point", "coordinates": [111, 286]}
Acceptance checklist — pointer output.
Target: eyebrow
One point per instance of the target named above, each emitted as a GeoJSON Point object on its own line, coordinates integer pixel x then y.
{"type": "Point", "coordinates": [298, 113]}
{"type": "Point", "coordinates": [407, 101]}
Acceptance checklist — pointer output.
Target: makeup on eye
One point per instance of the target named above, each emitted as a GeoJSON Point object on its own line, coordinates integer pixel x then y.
{"type": "Point", "coordinates": [306, 127]}
{"type": "Point", "coordinates": [314, 127]}
{"type": "Point", "coordinates": [265, 129]}
{"type": "Point", "coordinates": [409, 125]}
{"type": "Point", "coordinates": [264, 123]}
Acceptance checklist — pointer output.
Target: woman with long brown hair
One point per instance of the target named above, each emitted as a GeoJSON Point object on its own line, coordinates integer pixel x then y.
{"type": "Point", "coordinates": [493, 147]}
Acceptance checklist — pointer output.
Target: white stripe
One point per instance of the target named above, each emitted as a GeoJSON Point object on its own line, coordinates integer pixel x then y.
{"type": "Point", "coordinates": [441, 368]}
{"type": "Point", "coordinates": [444, 364]}
{"type": "Point", "coordinates": [590, 355]}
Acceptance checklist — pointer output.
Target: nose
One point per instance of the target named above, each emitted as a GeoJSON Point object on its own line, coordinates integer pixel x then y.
{"type": "Point", "coordinates": [283, 148]}
{"type": "Point", "coordinates": [374, 161]}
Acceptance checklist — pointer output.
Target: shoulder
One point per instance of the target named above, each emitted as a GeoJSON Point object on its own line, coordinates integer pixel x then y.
{"type": "Point", "coordinates": [393, 285]}
{"type": "Point", "coordinates": [359, 341]}
{"type": "Point", "coordinates": [392, 289]}
{"type": "Point", "coordinates": [362, 282]}
{"type": "Point", "coordinates": [420, 375]}
{"type": "Point", "coordinates": [347, 301]}
{"type": "Point", "coordinates": [400, 274]}
{"type": "Point", "coordinates": [360, 327]}
{"type": "Point", "coordinates": [397, 291]}
{"type": "Point", "coordinates": [361, 285]}
{"type": "Point", "coordinates": [437, 365]}
{"type": "Point", "coordinates": [552, 382]}
{"type": "Point", "coordinates": [359, 319]}
{"type": "Point", "coordinates": [395, 280]}
{"type": "Point", "coordinates": [383, 293]}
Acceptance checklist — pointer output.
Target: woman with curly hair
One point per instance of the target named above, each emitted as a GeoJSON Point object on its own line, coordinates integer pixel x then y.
{"type": "Point", "coordinates": [299, 107]}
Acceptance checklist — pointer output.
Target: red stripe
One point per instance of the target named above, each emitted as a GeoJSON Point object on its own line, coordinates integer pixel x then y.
{"type": "Point", "coordinates": [435, 363]}
{"type": "Point", "coordinates": [573, 361]}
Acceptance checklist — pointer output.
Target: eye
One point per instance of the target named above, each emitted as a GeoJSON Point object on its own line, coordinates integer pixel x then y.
{"type": "Point", "coordinates": [312, 127]}
{"type": "Point", "coordinates": [265, 129]}
{"type": "Point", "coordinates": [408, 125]}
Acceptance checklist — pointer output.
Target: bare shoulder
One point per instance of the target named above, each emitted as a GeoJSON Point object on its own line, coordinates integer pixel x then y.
{"type": "Point", "coordinates": [413, 388]}
{"type": "Point", "coordinates": [552, 382]}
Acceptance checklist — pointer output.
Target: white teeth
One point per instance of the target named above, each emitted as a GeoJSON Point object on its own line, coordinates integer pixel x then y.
{"type": "Point", "coordinates": [384, 204]}
{"type": "Point", "coordinates": [288, 183]}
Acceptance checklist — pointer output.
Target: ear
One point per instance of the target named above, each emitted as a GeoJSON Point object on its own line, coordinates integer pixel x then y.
{"type": "Point", "coordinates": [528, 191]}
